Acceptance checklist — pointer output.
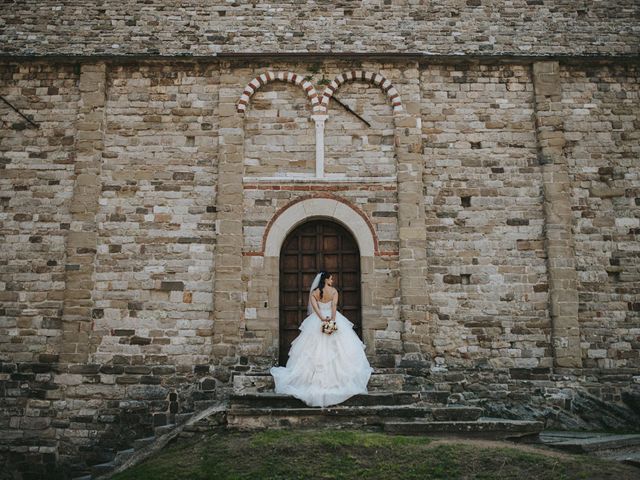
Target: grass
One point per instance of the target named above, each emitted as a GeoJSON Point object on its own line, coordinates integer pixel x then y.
{"type": "Point", "coordinates": [347, 454]}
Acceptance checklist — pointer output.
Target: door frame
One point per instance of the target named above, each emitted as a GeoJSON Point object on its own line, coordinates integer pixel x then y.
{"type": "Point", "coordinates": [375, 316]}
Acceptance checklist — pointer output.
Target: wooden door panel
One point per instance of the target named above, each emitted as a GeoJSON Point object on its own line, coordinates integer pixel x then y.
{"type": "Point", "coordinates": [309, 244]}
{"type": "Point", "coordinates": [291, 320]}
{"type": "Point", "coordinates": [332, 262]}
{"type": "Point", "coordinates": [290, 262]}
{"type": "Point", "coordinates": [290, 298]}
{"type": "Point", "coordinates": [307, 279]}
{"type": "Point", "coordinates": [350, 299]}
{"type": "Point", "coordinates": [349, 278]}
{"type": "Point", "coordinates": [309, 262]}
{"type": "Point", "coordinates": [290, 281]}
{"type": "Point", "coordinates": [294, 243]}
{"type": "Point", "coordinates": [311, 247]}
{"type": "Point", "coordinates": [290, 336]}
{"type": "Point", "coordinates": [330, 244]}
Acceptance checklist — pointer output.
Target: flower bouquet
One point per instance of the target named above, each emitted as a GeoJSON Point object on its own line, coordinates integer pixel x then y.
{"type": "Point", "coordinates": [329, 327]}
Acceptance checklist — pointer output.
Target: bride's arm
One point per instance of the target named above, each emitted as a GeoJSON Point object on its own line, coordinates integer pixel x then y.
{"type": "Point", "coordinates": [314, 305]}
{"type": "Point", "coordinates": [334, 305]}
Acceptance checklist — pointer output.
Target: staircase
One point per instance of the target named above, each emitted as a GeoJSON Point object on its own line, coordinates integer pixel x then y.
{"type": "Point", "coordinates": [186, 425]}
{"type": "Point", "coordinates": [620, 448]}
{"type": "Point", "coordinates": [388, 407]}
{"type": "Point", "coordinates": [399, 402]}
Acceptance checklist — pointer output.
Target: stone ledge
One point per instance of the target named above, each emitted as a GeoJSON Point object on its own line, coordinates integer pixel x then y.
{"type": "Point", "coordinates": [484, 427]}
{"type": "Point", "coordinates": [390, 56]}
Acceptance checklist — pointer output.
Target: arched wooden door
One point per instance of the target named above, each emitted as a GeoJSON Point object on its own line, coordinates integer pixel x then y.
{"type": "Point", "coordinates": [313, 246]}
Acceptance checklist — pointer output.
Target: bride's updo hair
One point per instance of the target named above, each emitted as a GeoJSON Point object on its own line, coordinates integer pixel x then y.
{"type": "Point", "coordinates": [323, 278]}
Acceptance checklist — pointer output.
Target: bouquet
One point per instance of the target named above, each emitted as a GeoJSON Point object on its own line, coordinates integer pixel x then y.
{"type": "Point", "coordinates": [329, 327]}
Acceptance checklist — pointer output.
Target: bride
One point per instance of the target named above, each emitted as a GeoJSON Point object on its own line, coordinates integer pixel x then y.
{"type": "Point", "coordinates": [324, 368]}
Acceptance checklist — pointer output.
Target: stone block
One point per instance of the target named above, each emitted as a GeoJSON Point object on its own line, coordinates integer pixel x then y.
{"type": "Point", "coordinates": [147, 392]}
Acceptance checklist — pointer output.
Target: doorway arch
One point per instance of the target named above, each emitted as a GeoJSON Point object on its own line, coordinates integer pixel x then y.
{"type": "Point", "coordinates": [318, 244]}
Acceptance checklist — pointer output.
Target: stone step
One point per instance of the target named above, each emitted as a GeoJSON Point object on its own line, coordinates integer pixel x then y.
{"type": "Point", "coordinates": [180, 418]}
{"type": "Point", "coordinates": [630, 459]}
{"type": "Point", "coordinates": [143, 442]}
{"type": "Point", "coordinates": [376, 370]}
{"type": "Point", "coordinates": [585, 442]}
{"type": "Point", "coordinates": [123, 455]}
{"type": "Point", "coordinates": [159, 431]}
{"type": "Point", "coordinates": [102, 468]}
{"type": "Point", "coordinates": [263, 382]}
{"type": "Point", "coordinates": [554, 436]}
{"type": "Point", "coordinates": [336, 416]}
{"type": "Point", "coordinates": [276, 400]}
{"type": "Point", "coordinates": [252, 383]}
{"type": "Point", "coordinates": [456, 413]}
{"type": "Point", "coordinates": [386, 381]}
{"type": "Point", "coordinates": [495, 428]}
{"type": "Point", "coordinates": [435, 397]}
{"type": "Point", "coordinates": [200, 405]}
{"type": "Point", "coordinates": [208, 423]}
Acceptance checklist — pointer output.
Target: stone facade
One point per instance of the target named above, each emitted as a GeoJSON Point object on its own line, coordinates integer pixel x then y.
{"type": "Point", "coordinates": [452, 27]}
{"type": "Point", "coordinates": [495, 201]}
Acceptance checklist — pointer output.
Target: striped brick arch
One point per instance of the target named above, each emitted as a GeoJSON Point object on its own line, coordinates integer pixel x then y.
{"type": "Point", "coordinates": [320, 106]}
{"type": "Point", "coordinates": [294, 78]}
{"type": "Point", "coordinates": [358, 75]}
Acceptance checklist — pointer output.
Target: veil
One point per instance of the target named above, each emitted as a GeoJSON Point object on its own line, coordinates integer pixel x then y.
{"type": "Point", "coordinates": [314, 285]}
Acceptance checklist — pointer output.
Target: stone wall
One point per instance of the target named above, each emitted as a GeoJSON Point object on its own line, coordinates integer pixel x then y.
{"type": "Point", "coordinates": [36, 184]}
{"type": "Point", "coordinates": [526, 27]}
{"type": "Point", "coordinates": [136, 278]}
{"type": "Point", "coordinates": [602, 111]}
{"type": "Point", "coordinates": [108, 222]}
{"type": "Point", "coordinates": [353, 148]}
{"type": "Point", "coordinates": [483, 203]}
{"type": "Point", "coordinates": [154, 262]}
{"type": "Point", "coordinates": [279, 134]}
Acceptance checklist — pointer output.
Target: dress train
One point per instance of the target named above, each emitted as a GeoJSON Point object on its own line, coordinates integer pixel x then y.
{"type": "Point", "coordinates": [324, 369]}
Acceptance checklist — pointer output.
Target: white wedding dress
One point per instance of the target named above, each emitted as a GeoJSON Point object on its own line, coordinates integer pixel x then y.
{"type": "Point", "coordinates": [324, 369]}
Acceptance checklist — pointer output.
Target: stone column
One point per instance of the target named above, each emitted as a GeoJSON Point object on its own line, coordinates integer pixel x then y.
{"type": "Point", "coordinates": [81, 242]}
{"type": "Point", "coordinates": [228, 285]}
{"type": "Point", "coordinates": [563, 281]}
{"type": "Point", "coordinates": [411, 225]}
{"type": "Point", "coordinates": [319, 121]}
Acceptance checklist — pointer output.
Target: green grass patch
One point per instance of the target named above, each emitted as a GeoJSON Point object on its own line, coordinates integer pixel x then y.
{"type": "Point", "coordinates": [348, 454]}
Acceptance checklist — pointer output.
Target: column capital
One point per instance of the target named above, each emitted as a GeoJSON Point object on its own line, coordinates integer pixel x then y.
{"type": "Point", "coordinates": [319, 119]}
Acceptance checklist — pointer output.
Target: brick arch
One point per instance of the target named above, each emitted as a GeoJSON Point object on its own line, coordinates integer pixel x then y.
{"type": "Point", "coordinates": [294, 78]}
{"type": "Point", "coordinates": [358, 75]}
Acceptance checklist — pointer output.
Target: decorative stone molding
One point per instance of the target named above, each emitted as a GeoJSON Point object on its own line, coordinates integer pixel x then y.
{"type": "Point", "coordinates": [307, 208]}
{"type": "Point", "coordinates": [320, 108]}
{"type": "Point", "coordinates": [267, 270]}
{"type": "Point", "coordinates": [294, 78]}
{"type": "Point", "coordinates": [373, 78]}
